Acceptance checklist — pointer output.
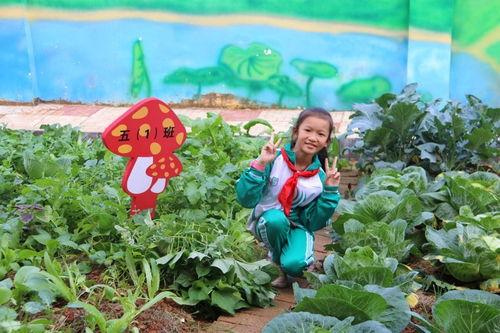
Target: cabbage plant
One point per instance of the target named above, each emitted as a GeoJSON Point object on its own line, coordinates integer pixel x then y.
{"type": "Point", "coordinates": [458, 311]}
{"type": "Point", "coordinates": [305, 322]}
{"type": "Point", "coordinates": [401, 130]}
{"type": "Point", "coordinates": [480, 191]}
{"type": "Point", "coordinates": [468, 252]}
{"type": "Point", "coordinates": [490, 222]}
{"type": "Point", "coordinates": [362, 266]}
{"type": "Point", "coordinates": [382, 206]}
{"type": "Point", "coordinates": [380, 309]}
{"type": "Point", "coordinates": [386, 239]}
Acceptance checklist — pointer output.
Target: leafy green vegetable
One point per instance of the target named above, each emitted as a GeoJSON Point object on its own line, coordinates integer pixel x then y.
{"type": "Point", "coordinates": [404, 129]}
{"type": "Point", "coordinates": [386, 239]}
{"type": "Point", "coordinates": [372, 303]}
{"type": "Point", "coordinates": [468, 252]}
{"type": "Point", "coordinates": [61, 195]}
{"type": "Point", "coordinates": [361, 265]}
{"type": "Point", "coordinates": [468, 311]}
{"type": "Point", "coordinates": [305, 322]}
{"type": "Point", "coordinates": [381, 206]}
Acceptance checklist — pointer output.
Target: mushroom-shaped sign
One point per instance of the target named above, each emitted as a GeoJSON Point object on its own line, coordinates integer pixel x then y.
{"type": "Point", "coordinates": [148, 133]}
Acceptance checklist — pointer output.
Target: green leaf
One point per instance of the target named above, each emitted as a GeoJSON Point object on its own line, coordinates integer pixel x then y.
{"type": "Point", "coordinates": [397, 315]}
{"type": "Point", "coordinates": [5, 295]}
{"type": "Point", "coordinates": [467, 252]}
{"type": "Point", "coordinates": [33, 307]}
{"type": "Point", "coordinates": [203, 76]}
{"type": "Point", "coordinates": [223, 264]}
{"type": "Point", "coordinates": [96, 315]}
{"type": "Point", "coordinates": [59, 286]}
{"type": "Point", "coordinates": [385, 100]}
{"type": "Point", "coordinates": [132, 270]}
{"type": "Point", "coordinates": [7, 314]}
{"type": "Point", "coordinates": [165, 259]}
{"type": "Point", "coordinates": [140, 76]}
{"type": "Point", "coordinates": [480, 136]}
{"type": "Point", "coordinates": [155, 276]}
{"type": "Point", "coordinates": [300, 293]}
{"type": "Point", "coordinates": [284, 85]}
{"type": "Point", "coordinates": [147, 272]}
{"type": "Point", "coordinates": [226, 298]}
{"type": "Point", "coordinates": [319, 69]}
{"type": "Point", "coordinates": [381, 276]}
{"type": "Point", "coordinates": [51, 266]}
{"type": "Point", "coordinates": [477, 296]}
{"type": "Point", "coordinates": [175, 259]}
{"type": "Point", "coordinates": [248, 126]}
{"type": "Point", "coordinates": [401, 117]}
{"type": "Point", "coordinates": [258, 62]}
{"type": "Point", "coordinates": [199, 291]}
{"type": "Point", "coordinates": [33, 167]}
{"type": "Point", "coordinates": [408, 209]}
{"type": "Point", "coordinates": [457, 316]}
{"type": "Point", "coordinates": [197, 255]}
{"type": "Point", "coordinates": [342, 302]}
{"type": "Point", "coordinates": [445, 211]}
{"type": "Point", "coordinates": [362, 90]}
{"type": "Point", "coordinates": [299, 322]}
{"type": "Point", "coordinates": [158, 298]}
{"type": "Point", "coordinates": [193, 193]}
{"type": "Point", "coordinates": [202, 269]}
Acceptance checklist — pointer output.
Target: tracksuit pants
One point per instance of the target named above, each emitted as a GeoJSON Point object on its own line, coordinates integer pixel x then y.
{"type": "Point", "coordinates": [291, 246]}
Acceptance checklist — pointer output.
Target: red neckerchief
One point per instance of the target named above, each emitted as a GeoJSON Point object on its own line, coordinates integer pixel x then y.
{"type": "Point", "coordinates": [286, 195]}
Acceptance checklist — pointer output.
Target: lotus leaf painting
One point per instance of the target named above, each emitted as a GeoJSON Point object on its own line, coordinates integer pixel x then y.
{"type": "Point", "coordinates": [148, 133]}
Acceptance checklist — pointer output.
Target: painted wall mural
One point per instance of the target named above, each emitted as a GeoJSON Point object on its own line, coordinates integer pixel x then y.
{"type": "Point", "coordinates": [310, 53]}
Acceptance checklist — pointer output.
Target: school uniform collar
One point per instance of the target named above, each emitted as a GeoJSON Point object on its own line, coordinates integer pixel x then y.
{"type": "Point", "coordinates": [291, 155]}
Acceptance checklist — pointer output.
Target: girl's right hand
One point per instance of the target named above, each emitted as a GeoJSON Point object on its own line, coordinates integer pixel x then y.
{"type": "Point", "coordinates": [268, 152]}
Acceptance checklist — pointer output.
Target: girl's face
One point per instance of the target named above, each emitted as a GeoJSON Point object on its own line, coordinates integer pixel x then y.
{"type": "Point", "coordinates": [312, 135]}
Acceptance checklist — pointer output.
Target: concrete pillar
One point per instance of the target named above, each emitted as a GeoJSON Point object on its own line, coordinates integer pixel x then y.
{"type": "Point", "coordinates": [429, 52]}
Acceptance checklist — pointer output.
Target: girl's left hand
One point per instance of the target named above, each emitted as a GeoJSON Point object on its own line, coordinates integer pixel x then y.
{"type": "Point", "coordinates": [332, 175]}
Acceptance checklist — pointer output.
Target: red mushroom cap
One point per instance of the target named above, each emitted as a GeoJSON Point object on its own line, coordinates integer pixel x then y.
{"type": "Point", "coordinates": [165, 167]}
{"type": "Point", "coordinates": [148, 128]}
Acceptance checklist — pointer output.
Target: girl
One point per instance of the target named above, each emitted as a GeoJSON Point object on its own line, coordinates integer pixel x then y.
{"type": "Point", "coordinates": [291, 195]}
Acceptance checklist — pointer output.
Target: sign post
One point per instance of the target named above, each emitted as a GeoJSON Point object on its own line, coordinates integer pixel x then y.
{"type": "Point", "coordinates": [148, 133]}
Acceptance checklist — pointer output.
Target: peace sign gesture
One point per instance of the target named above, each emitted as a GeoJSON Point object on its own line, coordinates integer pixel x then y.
{"type": "Point", "coordinates": [332, 175]}
{"type": "Point", "coordinates": [268, 151]}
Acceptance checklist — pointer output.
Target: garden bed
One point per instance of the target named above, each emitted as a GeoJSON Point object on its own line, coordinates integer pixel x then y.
{"type": "Point", "coordinates": [70, 256]}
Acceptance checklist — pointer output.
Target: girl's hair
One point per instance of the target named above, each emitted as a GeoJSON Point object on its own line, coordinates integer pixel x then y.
{"type": "Point", "coordinates": [319, 113]}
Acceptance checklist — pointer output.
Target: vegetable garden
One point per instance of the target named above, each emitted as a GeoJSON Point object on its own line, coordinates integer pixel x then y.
{"type": "Point", "coordinates": [423, 224]}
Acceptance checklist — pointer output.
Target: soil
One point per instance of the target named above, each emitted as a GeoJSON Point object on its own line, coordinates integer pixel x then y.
{"type": "Point", "coordinates": [211, 100]}
{"type": "Point", "coordinates": [425, 302]}
{"type": "Point", "coordinates": [222, 101]}
{"type": "Point", "coordinates": [168, 317]}
{"type": "Point", "coordinates": [95, 274]}
{"type": "Point", "coordinates": [424, 307]}
{"type": "Point", "coordinates": [423, 265]}
{"type": "Point", "coordinates": [164, 317]}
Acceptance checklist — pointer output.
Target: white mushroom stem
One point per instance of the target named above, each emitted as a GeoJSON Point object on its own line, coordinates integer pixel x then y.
{"type": "Point", "coordinates": [159, 185]}
{"type": "Point", "coordinates": [138, 181]}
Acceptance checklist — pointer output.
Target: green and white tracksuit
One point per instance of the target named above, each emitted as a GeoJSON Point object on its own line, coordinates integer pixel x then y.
{"type": "Point", "coordinates": [289, 239]}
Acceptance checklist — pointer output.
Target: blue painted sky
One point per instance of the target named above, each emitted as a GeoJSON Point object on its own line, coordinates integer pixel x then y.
{"type": "Point", "coordinates": [91, 61]}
